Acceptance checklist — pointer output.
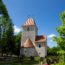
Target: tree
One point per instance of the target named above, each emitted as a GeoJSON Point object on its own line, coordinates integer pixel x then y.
{"type": "Point", "coordinates": [3, 10]}
{"type": "Point", "coordinates": [7, 41]}
{"type": "Point", "coordinates": [61, 30]}
{"type": "Point", "coordinates": [53, 51]}
{"type": "Point", "coordinates": [10, 37]}
{"type": "Point", "coordinates": [17, 43]}
{"type": "Point", "coordinates": [3, 28]}
{"type": "Point", "coordinates": [7, 36]}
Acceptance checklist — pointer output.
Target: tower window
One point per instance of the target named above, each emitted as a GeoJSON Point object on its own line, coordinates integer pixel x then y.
{"type": "Point", "coordinates": [28, 29]}
{"type": "Point", "coordinates": [31, 28]}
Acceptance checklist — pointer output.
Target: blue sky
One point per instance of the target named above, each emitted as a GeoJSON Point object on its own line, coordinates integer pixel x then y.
{"type": "Point", "coordinates": [45, 12]}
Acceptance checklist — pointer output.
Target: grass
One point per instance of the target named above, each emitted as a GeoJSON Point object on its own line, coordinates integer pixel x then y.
{"type": "Point", "coordinates": [60, 63]}
{"type": "Point", "coordinates": [14, 64]}
{"type": "Point", "coordinates": [25, 61]}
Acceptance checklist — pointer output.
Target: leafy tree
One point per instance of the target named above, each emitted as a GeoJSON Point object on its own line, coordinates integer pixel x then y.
{"type": "Point", "coordinates": [61, 30]}
{"type": "Point", "coordinates": [53, 51]}
{"type": "Point", "coordinates": [18, 42]}
{"type": "Point", "coordinates": [52, 54]}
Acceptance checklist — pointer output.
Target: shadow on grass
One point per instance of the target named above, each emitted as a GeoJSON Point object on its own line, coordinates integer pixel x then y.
{"type": "Point", "coordinates": [16, 61]}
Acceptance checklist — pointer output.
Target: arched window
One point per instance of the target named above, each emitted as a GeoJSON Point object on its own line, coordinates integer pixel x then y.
{"type": "Point", "coordinates": [31, 28]}
{"type": "Point", "coordinates": [28, 29]}
{"type": "Point", "coordinates": [39, 45]}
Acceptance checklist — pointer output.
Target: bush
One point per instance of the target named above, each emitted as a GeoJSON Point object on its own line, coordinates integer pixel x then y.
{"type": "Point", "coordinates": [61, 63]}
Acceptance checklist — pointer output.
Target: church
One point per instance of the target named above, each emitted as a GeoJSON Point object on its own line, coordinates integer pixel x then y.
{"type": "Point", "coordinates": [32, 44]}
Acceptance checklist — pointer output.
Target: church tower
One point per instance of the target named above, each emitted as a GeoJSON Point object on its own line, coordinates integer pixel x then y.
{"type": "Point", "coordinates": [32, 44]}
{"type": "Point", "coordinates": [30, 30]}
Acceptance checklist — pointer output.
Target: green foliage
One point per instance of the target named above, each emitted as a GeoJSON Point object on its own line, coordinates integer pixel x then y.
{"type": "Point", "coordinates": [53, 54]}
{"type": "Point", "coordinates": [62, 17]}
{"type": "Point", "coordinates": [61, 63]}
{"type": "Point", "coordinates": [61, 39]}
{"type": "Point", "coordinates": [7, 42]}
{"type": "Point", "coordinates": [7, 35]}
{"type": "Point", "coordinates": [53, 51]}
{"type": "Point", "coordinates": [3, 27]}
{"type": "Point", "coordinates": [4, 10]}
{"type": "Point", "coordinates": [18, 38]}
{"type": "Point", "coordinates": [61, 30]}
{"type": "Point", "coordinates": [10, 37]}
{"type": "Point", "coordinates": [17, 43]}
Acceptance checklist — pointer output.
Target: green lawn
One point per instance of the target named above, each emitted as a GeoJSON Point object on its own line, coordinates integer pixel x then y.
{"type": "Point", "coordinates": [13, 64]}
{"type": "Point", "coordinates": [25, 61]}
{"type": "Point", "coordinates": [60, 63]}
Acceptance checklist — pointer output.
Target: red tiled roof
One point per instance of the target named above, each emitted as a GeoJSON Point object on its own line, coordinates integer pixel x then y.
{"type": "Point", "coordinates": [30, 21]}
{"type": "Point", "coordinates": [28, 44]}
{"type": "Point", "coordinates": [41, 38]}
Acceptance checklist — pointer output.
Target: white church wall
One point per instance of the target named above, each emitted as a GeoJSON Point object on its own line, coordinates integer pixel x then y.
{"type": "Point", "coordinates": [41, 50]}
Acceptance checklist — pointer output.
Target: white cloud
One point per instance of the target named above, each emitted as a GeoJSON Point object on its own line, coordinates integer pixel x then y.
{"type": "Point", "coordinates": [51, 35]}
{"type": "Point", "coordinates": [50, 41]}
{"type": "Point", "coordinates": [16, 29]}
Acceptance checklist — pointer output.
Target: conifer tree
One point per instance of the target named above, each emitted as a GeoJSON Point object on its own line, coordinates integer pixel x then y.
{"type": "Point", "coordinates": [6, 27]}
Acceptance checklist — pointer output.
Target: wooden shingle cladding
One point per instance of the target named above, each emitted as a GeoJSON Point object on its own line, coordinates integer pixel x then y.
{"type": "Point", "coordinates": [30, 22]}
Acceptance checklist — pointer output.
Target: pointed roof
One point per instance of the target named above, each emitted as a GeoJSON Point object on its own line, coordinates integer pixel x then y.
{"type": "Point", "coordinates": [30, 22]}
{"type": "Point", "coordinates": [28, 44]}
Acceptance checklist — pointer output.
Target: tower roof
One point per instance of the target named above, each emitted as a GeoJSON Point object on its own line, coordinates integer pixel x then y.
{"type": "Point", "coordinates": [30, 22]}
{"type": "Point", "coordinates": [28, 44]}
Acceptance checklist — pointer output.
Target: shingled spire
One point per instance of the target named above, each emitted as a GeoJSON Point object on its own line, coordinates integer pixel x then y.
{"type": "Point", "coordinates": [30, 22]}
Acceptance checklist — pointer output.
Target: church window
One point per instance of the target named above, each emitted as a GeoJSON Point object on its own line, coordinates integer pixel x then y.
{"type": "Point", "coordinates": [39, 45]}
{"type": "Point", "coordinates": [31, 28]}
{"type": "Point", "coordinates": [28, 29]}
